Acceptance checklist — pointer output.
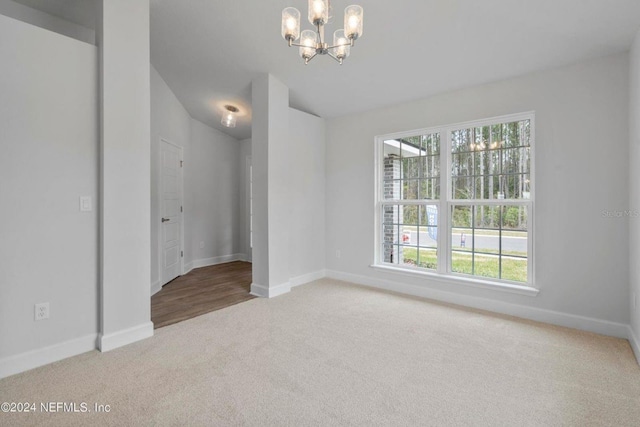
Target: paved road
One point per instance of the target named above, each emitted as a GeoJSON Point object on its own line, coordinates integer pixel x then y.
{"type": "Point", "coordinates": [481, 242]}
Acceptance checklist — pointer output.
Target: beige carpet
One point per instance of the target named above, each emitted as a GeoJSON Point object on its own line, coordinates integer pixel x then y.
{"type": "Point", "coordinates": [330, 353]}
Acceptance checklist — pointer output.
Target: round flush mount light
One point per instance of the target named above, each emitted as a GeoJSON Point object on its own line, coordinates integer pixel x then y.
{"type": "Point", "coordinates": [229, 116]}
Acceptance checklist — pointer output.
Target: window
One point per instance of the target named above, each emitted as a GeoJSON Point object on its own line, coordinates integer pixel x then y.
{"type": "Point", "coordinates": [472, 180]}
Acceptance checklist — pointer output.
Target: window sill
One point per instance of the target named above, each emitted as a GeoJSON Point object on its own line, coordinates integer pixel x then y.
{"type": "Point", "coordinates": [461, 281]}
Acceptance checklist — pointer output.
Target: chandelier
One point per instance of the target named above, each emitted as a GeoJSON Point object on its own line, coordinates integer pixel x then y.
{"type": "Point", "coordinates": [314, 42]}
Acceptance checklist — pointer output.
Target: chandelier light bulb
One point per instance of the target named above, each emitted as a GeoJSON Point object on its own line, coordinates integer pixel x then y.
{"type": "Point", "coordinates": [318, 12]}
{"type": "Point", "coordinates": [353, 19]}
{"type": "Point", "coordinates": [343, 44]}
{"type": "Point", "coordinates": [290, 24]}
{"type": "Point", "coordinates": [308, 45]}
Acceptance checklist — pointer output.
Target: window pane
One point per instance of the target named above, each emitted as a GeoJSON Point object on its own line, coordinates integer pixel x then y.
{"type": "Point", "coordinates": [429, 189]}
{"type": "Point", "coordinates": [390, 214]}
{"type": "Point", "coordinates": [514, 269]}
{"type": "Point", "coordinates": [462, 164]}
{"type": "Point", "coordinates": [515, 218]}
{"type": "Point", "coordinates": [388, 253]}
{"type": "Point", "coordinates": [461, 140]}
{"type": "Point", "coordinates": [516, 133]}
{"type": "Point", "coordinates": [515, 246]}
{"type": "Point", "coordinates": [409, 235]}
{"type": "Point", "coordinates": [461, 217]}
{"type": "Point", "coordinates": [428, 258]}
{"type": "Point", "coordinates": [514, 243]}
{"type": "Point", "coordinates": [411, 168]}
{"type": "Point", "coordinates": [409, 214]}
{"type": "Point", "coordinates": [495, 236]}
{"type": "Point", "coordinates": [412, 241]}
{"type": "Point", "coordinates": [487, 217]}
{"type": "Point", "coordinates": [463, 187]}
{"type": "Point", "coordinates": [462, 239]}
{"type": "Point", "coordinates": [461, 231]}
{"type": "Point", "coordinates": [410, 189]}
{"type": "Point", "coordinates": [390, 234]}
{"type": "Point", "coordinates": [430, 166]}
{"type": "Point", "coordinates": [496, 156]}
{"type": "Point", "coordinates": [486, 266]}
{"type": "Point", "coordinates": [392, 189]}
{"type": "Point", "coordinates": [431, 144]}
{"type": "Point", "coordinates": [428, 222]}
{"type": "Point", "coordinates": [461, 262]}
{"type": "Point", "coordinates": [409, 256]}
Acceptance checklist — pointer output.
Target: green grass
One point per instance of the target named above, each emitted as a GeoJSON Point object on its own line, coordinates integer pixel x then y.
{"type": "Point", "coordinates": [484, 266]}
{"type": "Point", "coordinates": [490, 251]}
{"type": "Point", "coordinates": [484, 232]}
{"type": "Point", "coordinates": [479, 231]}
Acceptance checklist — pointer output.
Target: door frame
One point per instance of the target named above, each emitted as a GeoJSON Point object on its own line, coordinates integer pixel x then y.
{"type": "Point", "coordinates": [159, 219]}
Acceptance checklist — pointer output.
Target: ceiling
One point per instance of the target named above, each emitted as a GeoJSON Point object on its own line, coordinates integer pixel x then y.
{"type": "Point", "coordinates": [81, 12]}
{"type": "Point", "coordinates": [208, 51]}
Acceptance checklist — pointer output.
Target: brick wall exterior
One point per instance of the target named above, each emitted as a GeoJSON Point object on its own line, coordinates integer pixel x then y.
{"type": "Point", "coordinates": [392, 214]}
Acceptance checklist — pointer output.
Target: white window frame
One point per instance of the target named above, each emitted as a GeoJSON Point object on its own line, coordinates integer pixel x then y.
{"type": "Point", "coordinates": [446, 203]}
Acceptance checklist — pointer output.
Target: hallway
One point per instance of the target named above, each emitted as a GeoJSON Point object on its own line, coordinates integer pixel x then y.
{"type": "Point", "coordinates": [201, 291]}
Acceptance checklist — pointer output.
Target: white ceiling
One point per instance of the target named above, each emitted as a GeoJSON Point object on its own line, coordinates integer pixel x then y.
{"type": "Point", "coordinates": [208, 51]}
{"type": "Point", "coordinates": [81, 12]}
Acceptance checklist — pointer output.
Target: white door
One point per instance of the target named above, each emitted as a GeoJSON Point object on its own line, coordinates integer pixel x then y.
{"type": "Point", "coordinates": [171, 211]}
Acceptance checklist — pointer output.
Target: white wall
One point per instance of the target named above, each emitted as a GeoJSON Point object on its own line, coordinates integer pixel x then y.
{"type": "Point", "coordinates": [243, 179]}
{"type": "Point", "coordinates": [169, 121]}
{"type": "Point", "coordinates": [306, 191]}
{"type": "Point", "coordinates": [44, 20]}
{"type": "Point", "coordinates": [49, 140]}
{"type": "Point", "coordinates": [634, 191]}
{"type": "Point", "coordinates": [306, 160]}
{"type": "Point", "coordinates": [581, 263]}
{"type": "Point", "coordinates": [212, 194]}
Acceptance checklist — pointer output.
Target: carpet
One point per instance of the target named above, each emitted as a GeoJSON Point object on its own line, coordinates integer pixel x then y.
{"type": "Point", "coordinates": [332, 353]}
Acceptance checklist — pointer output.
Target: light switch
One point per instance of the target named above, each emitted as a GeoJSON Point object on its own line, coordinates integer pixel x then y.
{"type": "Point", "coordinates": [85, 204]}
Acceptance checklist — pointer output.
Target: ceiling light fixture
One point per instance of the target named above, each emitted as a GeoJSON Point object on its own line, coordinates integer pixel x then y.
{"type": "Point", "coordinates": [229, 116]}
{"type": "Point", "coordinates": [313, 43]}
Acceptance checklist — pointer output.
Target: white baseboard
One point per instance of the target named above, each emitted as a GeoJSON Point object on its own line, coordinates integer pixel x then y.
{"type": "Point", "coordinates": [635, 344]}
{"type": "Point", "coordinates": [187, 268]}
{"type": "Point", "coordinates": [127, 336]}
{"type": "Point", "coordinates": [206, 262]}
{"type": "Point", "coordinates": [598, 326]}
{"type": "Point", "coordinates": [43, 356]}
{"type": "Point", "coordinates": [307, 278]}
{"type": "Point", "coordinates": [155, 288]}
{"type": "Point", "coordinates": [270, 291]}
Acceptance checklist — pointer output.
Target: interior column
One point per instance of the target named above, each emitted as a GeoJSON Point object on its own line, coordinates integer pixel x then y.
{"type": "Point", "coordinates": [271, 211]}
{"type": "Point", "coordinates": [123, 40]}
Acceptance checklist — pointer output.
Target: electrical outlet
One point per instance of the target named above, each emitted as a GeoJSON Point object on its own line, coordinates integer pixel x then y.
{"type": "Point", "coordinates": [201, 245]}
{"type": "Point", "coordinates": [41, 311]}
{"type": "Point", "coordinates": [338, 253]}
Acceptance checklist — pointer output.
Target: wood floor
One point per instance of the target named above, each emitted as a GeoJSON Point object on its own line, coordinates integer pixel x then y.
{"type": "Point", "coordinates": [200, 291]}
